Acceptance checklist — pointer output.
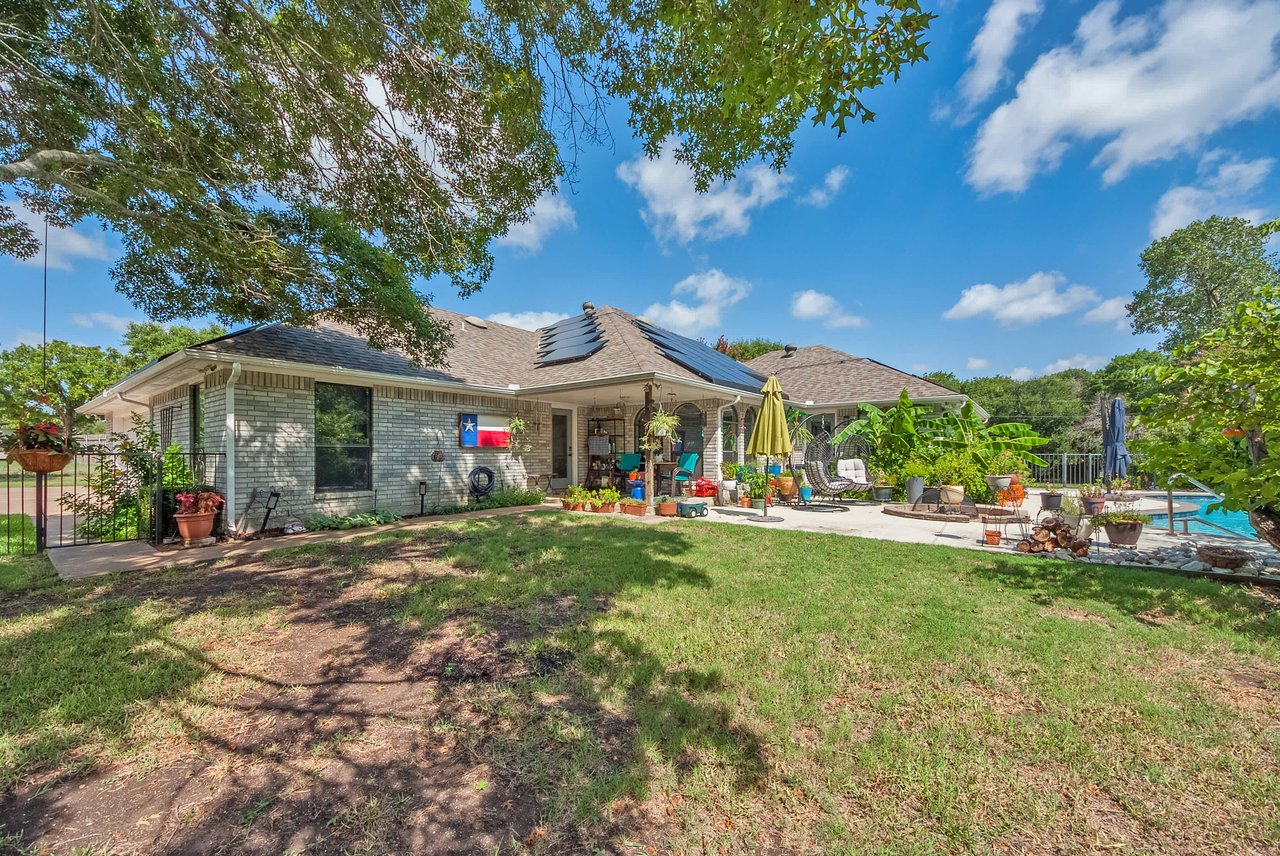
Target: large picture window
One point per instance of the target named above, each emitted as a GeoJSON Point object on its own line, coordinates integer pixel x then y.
{"type": "Point", "coordinates": [344, 437]}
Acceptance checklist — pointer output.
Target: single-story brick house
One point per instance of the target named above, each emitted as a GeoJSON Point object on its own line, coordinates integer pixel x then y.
{"type": "Point", "coordinates": [336, 426]}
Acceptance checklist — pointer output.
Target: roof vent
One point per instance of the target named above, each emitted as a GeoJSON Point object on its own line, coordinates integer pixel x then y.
{"type": "Point", "coordinates": [789, 351]}
{"type": "Point", "coordinates": [588, 308]}
{"type": "Point", "coordinates": [477, 322]}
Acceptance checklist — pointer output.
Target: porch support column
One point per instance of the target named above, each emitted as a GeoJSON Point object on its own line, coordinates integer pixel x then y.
{"type": "Point", "coordinates": [229, 445]}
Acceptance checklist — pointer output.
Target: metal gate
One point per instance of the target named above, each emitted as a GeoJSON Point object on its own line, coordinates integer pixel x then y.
{"type": "Point", "coordinates": [1070, 468]}
{"type": "Point", "coordinates": [101, 497]}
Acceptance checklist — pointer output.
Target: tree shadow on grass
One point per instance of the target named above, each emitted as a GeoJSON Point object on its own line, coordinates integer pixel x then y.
{"type": "Point", "coordinates": [1143, 593]}
{"type": "Point", "coordinates": [451, 690]}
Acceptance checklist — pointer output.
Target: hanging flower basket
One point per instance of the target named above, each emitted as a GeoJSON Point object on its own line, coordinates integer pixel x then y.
{"type": "Point", "coordinates": [40, 460]}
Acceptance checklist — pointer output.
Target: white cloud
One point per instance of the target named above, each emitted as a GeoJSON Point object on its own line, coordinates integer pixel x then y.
{"type": "Point", "coordinates": [1150, 86]}
{"type": "Point", "coordinates": [810, 305]}
{"type": "Point", "coordinates": [550, 212]}
{"type": "Point", "coordinates": [674, 209]}
{"type": "Point", "coordinates": [1225, 182]}
{"type": "Point", "coordinates": [101, 319]}
{"type": "Point", "coordinates": [1022, 373]}
{"type": "Point", "coordinates": [821, 196]}
{"type": "Point", "coordinates": [1079, 361]}
{"type": "Point", "coordinates": [1039, 296]}
{"type": "Point", "coordinates": [65, 245]}
{"type": "Point", "coordinates": [1003, 24]}
{"type": "Point", "coordinates": [712, 291]}
{"type": "Point", "coordinates": [527, 320]}
{"type": "Point", "coordinates": [977, 364]}
{"type": "Point", "coordinates": [1113, 310]}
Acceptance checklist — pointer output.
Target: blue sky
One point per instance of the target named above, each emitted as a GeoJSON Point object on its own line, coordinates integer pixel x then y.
{"type": "Point", "coordinates": [989, 220]}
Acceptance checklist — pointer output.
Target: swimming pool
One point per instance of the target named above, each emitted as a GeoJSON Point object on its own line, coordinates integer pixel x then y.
{"type": "Point", "coordinates": [1236, 521]}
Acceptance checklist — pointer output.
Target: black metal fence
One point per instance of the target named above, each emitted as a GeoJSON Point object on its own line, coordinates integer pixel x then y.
{"type": "Point", "coordinates": [101, 497]}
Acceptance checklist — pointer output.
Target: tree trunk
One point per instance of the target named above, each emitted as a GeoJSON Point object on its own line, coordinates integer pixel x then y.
{"type": "Point", "coordinates": [1266, 521]}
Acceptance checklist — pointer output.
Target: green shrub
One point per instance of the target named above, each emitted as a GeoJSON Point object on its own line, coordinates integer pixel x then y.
{"type": "Point", "coordinates": [960, 468]}
{"type": "Point", "coordinates": [1008, 462]}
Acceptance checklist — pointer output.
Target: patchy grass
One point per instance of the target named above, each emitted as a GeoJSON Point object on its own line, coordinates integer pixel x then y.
{"type": "Point", "coordinates": [558, 683]}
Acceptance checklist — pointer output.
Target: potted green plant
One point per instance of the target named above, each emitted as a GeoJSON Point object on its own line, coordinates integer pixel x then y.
{"type": "Point", "coordinates": [914, 473]}
{"type": "Point", "coordinates": [729, 475]}
{"type": "Point", "coordinates": [195, 515]}
{"type": "Point", "coordinates": [665, 506]}
{"type": "Point", "coordinates": [1123, 524]}
{"type": "Point", "coordinates": [950, 473]}
{"type": "Point", "coordinates": [1005, 468]}
{"type": "Point", "coordinates": [39, 448]}
{"type": "Point", "coordinates": [758, 488]}
{"type": "Point", "coordinates": [1051, 499]}
{"type": "Point", "coordinates": [882, 491]}
{"type": "Point", "coordinates": [1094, 498]}
{"type": "Point", "coordinates": [1072, 513]}
{"type": "Point", "coordinates": [631, 505]}
{"type": "Point", "coordinates": [575, 495]}
{"type": "Point", "coordinates": [786, 483]}
{"type": "Point", "coordinates": [605, 499]}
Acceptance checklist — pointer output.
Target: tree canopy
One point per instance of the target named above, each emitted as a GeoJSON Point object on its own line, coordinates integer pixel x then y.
{"type": "Point", "coordinates": [1197, 275]}
{"type": "Point", "coordinates": [145, 341]}
{"type": "Point", "coordinates": [746, 349]}
{"type": "Point", "coordinates": [266, 161]}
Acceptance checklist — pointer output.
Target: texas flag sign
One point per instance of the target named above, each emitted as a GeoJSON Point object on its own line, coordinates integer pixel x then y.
{"type": "Point", "coordinates": [478, 432]}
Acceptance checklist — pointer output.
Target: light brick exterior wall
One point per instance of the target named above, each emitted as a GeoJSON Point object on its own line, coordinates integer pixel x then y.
{"type": "Point", "coordinates": [275, 447]}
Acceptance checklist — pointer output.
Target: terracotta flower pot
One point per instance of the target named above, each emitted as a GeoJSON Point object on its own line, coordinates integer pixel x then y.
{"type": "Point", "coordinates": [786, 485]}
{"type": "Point", "coordinates": [1015, 478]}
{"type": "Point", "coordinates": [1123, 534]}
{"type": "Point", "coordinates": [195, 527]}
{"type": "Point", "coordinates": [636, 510]}
{"type": "Point", "coordinates": [744, 501]}
{"type": "Point", "coordinates": [993, 537]}
{"type": "Point", "coordinates": [1093, 504]}
{"type": "Point", "coordinates": [41, 460]}
{"type": "Point", "coordinates": [666, 509]}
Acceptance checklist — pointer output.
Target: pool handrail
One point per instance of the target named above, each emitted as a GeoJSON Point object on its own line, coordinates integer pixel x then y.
{"type": "Point", "coordinates": [1204, 487]}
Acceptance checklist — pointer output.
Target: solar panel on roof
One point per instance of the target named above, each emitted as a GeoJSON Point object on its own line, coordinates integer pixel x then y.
{"type": "Point", "coordinates": [702, 360]}
{"type": "Point", "coordinates": [570, 339]}
{"type": "Point", "coordinates": [576, 352]}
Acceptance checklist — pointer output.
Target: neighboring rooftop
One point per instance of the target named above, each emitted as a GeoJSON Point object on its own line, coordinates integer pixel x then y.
{"type": "Point", "coordinates": [825, 375]}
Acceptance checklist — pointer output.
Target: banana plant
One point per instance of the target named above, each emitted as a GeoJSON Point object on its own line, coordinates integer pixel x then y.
{"type": "Point", "coordinates": [966, 432]}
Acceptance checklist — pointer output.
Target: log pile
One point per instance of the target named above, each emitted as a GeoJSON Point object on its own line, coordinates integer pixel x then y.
{"type": "Point", "coordinates": [1051, 535]}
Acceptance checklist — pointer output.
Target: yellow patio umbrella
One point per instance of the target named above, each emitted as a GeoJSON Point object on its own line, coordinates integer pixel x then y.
{"type": "Point", "coordinates": [769, 437]}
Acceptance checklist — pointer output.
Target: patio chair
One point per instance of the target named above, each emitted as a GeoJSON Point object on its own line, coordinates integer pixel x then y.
{"type": "Point", "coordinates": [630, 461]}
{"type": "Point", "coordinates": [836, 469]}
{"type": "Point", "coordinates": [684, 470]}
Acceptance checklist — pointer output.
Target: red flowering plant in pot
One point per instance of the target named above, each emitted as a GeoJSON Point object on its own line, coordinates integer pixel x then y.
{"type": "Point", "coordinates": [195, 515]}
{"type": "Point", "coordinates": [39, 448]}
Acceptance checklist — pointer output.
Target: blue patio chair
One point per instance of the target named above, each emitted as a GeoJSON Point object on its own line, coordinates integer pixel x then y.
{"type": "Point", "coordinates": [684, 469]}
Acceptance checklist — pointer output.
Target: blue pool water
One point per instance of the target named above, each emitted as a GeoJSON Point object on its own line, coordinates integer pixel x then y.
{"type": "Point", "coordinates": [1236, 521]}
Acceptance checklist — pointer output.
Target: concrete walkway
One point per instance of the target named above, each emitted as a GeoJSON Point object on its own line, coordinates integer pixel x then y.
{"type": "Point", "coordinates": [92, 560]}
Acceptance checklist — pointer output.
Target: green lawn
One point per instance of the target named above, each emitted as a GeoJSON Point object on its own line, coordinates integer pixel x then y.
{"type": "Point", "coordinates": [17, 535]}
{"type": "Point", "coordinates": [689, 687]}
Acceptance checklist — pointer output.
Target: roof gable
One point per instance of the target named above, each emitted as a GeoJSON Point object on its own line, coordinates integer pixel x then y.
{"type": "Point", "coordinates": [824, 375]}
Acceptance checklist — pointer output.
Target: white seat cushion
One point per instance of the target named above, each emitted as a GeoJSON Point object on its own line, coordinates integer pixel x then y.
{"type": "Point", "coordinates": [854, 469]}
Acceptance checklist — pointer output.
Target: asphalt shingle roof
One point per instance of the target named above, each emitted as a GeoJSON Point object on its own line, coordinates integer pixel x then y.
{"type": "Point", "coordinates": [825, 375]}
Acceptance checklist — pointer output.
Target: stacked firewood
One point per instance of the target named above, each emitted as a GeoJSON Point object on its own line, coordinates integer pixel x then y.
{"type": "Point", "coordinates": [1051, 535]}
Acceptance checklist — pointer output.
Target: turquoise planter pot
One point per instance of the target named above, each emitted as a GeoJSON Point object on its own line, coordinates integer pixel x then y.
{"type": "Point", "coordinates": [806, 494]}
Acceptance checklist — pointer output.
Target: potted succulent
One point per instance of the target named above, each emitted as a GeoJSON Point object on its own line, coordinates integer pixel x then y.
{"type": "Point", "coordinates": [195, 515]}
{"type": "Point", "coordinates": [1123, 524]}
{"type": "Point", "coordinates": [631, 505]}
{"type": "Point", "coordinates": [729, 475]}
{"type": "Point", "coordinates": [39, 448]}
{"type": "Point", "coordinates": [665, 506]}
{"type": "Point", "coordinates": [1094, 498]}
{"type": "Point", "coordinates": [883, 489]}
{"type": "Point", "coordinates": [1051, 499]}
{"type": "Point", "coordinates": [914, 472]}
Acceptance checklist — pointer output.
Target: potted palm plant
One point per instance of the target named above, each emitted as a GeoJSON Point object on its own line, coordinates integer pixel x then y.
{"type": "Point", "coordinates": [39, 448]}
{"type": "Point", "coordinates": [195, 515]}
{"type": "Point", "coordinates": [1123, 524]}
